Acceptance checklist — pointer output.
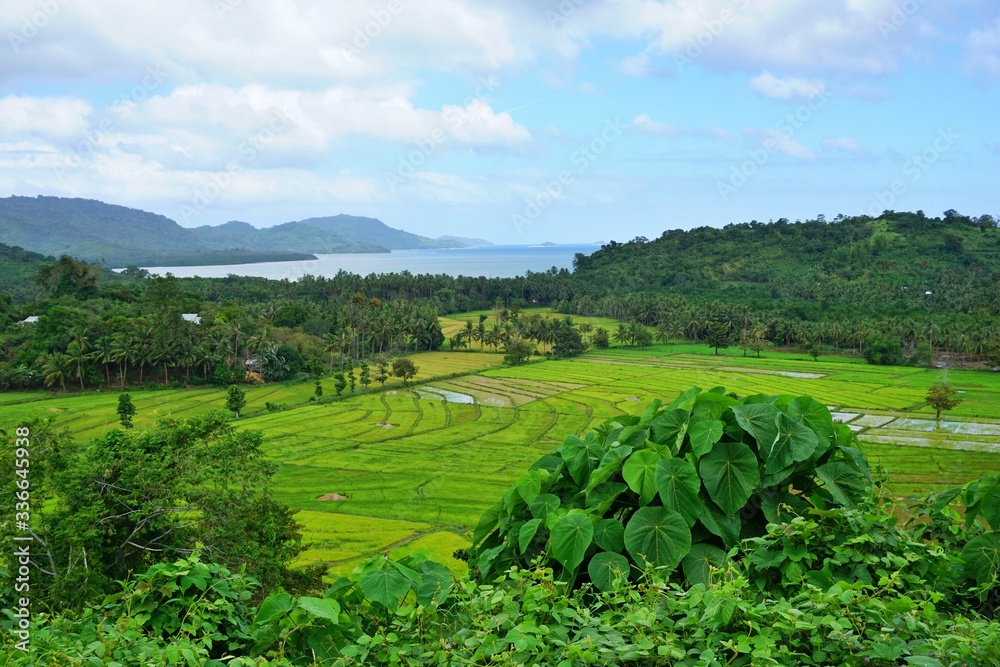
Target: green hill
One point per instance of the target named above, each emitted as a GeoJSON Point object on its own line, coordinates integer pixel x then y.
{"type": "Point", "coordinates": [94, 231]}
{"type": "Point", "coordinates": [899, 260]}
{"type": "Point", "coordinates": [376, 232]}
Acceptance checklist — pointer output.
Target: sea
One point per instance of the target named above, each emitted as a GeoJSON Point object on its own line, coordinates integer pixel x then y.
{"type": "Point", "coordinates": [490, 261]}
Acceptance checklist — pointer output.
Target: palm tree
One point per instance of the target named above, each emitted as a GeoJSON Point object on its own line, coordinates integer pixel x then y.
{"type": "Point", "coordinates": [77, 353]}
{"type": "Point", "coordinates": [123, 347]}
{"type": "Point", "coordinates": [622, 333]}
{"type": "Point", "coordinates": [104, 354]}
{"type": "Point", "coordinates": [55, 368]}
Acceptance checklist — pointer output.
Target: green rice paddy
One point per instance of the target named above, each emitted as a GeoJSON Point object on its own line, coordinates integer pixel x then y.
{"type": "Point", "coordinates": [406, 468]}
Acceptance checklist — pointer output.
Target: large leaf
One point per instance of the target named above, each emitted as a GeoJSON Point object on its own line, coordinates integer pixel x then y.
{"type": "Point", "coordinates": [487, 524]}
{"type": "Point", "coordinates": [657, 535]}
{"type": "Point", "coordinates": [704, 434]}
{"type": "Point", "coordinates": [321, 608]}
{"type": "Point", "coordinates": [782, 506]}
{"type": "Point", "coordinates": [669, 428]}
{"type": "Point", "coordinates": [990, 506]}
{"type": "Point", "coordinates": [685, 401]}
{"type": "Point", "coordinates": [982, 558]}
{"type": "Point", "coordinates": [436, 585]}
{"type": "Point", "coordinates": [678, 485]}
{"type": "Point", "coordinates": [609, 534]}
{"type": "Point", "coordinates": [273, 608]}
{"type": "Point", "coordinates": [640, 474]}
{"type": "Point", "coordinates": [570, 539]}
{"type": "Point", "coordinates": [795, 442]}
{"type": "Point", "coordinates": [845, 483]}
{"type": "Point", "coordinates": [700, 562]}
{"type": "Point", "coordinates": [610, 464]}
{"type": "Point", "coordinates": [757, 419]}
{"type": "Point", "coordinates": [543, 504]}
{"type": "Point", "coordinates": [608, 571]}
{"type": "Point", "coordinates": [721, 524]}
{"type": "Point", "coordinates": [603, 497]}
{"type": "Point", "coordinates": [730, 475]}
{"type": "Point", "coordinates": [816, 416]}
{"type": "Point", "coordinates": [530, 485]}
{"type": "Point", "coordinates": [581, 456]}
{"type": "Point", "coordinates": [527, 534]}
{"type": "Point", "coordinates": [386, 587]}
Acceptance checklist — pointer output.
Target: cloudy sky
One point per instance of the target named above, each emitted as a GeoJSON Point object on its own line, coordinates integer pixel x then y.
{"type": "Point", "coordinates": [515, 120]}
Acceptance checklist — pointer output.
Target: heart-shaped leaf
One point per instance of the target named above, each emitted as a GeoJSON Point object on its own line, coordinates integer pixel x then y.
{"type": "Point", "coordinates": [570, 539]}
{"type": "Point", "coordinates": [386, 587]}
{"type": "Point", "coordinates": [640, 474]}
{"type": "Point", "coordinates": [815, 416]}
{"type": "Point", "coordinates": [794, 443]}
{"type": "Point", "coordinates": [704, 434]}
{"type": "Point", "coordinates": [527, 534]}
{"type": "Point", "coordinates": [700, 562]}
{"type": "Point", "coordinates": [657, 535]}
{"type": "Point", "coordinates": [321, 607]}
{"type": "Point", "coordinates": [543, 504]}
{"type": "Point", "coordinates": [844, 482]}
{"type": "Point", "coordinates": [609, 534]}
{"type": "Point", "coordinates": [730, 475]}
{"type": "Point", "coordinates": [581, 456]}
{"type": "Point", "coordinates": [669, 428]}
{"type": "Point", "coordinates": [757, 419]}
{"type": "Point", "coordinates": [608, 571]}
{"type": "Point", "coordinates": [678, 485]}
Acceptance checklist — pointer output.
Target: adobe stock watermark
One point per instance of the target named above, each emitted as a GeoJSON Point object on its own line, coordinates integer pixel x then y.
{"type": "Point", "coordinates": [23, 538]}
{"type": "Point", "coordinates": [370, 31]}
{"type": "Point", "coordinates": [712, 30]}
{"type": "Point", "coordinates": [454, 118]}
{"type": "Point", "coordinates": [33, 25]}
{"type": "Point", "coordinates": [558, 17]}
{"type": "Point", "coordinates": [913, 170]}
{"type": "Point", "coordinates": [246, 154]}
{"type": "Point", "coordinates": [87, 145]}
{"type": "Point", "coordinates": [581, 159]}
{"type": "Point", "coordinates": [785, 129]}
{"type": "Point", "coordinates": [901, 14]}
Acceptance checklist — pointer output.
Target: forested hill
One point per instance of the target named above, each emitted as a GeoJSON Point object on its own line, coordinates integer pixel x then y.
{"type": "Point", "coordinates": [888, 262]}
{"type": "Point", "coordinates": [95, 231]}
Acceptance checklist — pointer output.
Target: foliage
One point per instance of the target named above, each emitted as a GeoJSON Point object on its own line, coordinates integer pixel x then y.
{"type": "Point", "coordinates": [884, 351]}
{"type": "Point", "coordinates": [681, 482]}
{"type": "Point", "coordinates": [130, 499]}
{"type": "Point", "coordinates": [517, 351]}
{"type": "Point", "coordinates": [126, 410]}
{"type": "Point", "coordinates": [404, 369]}
{"type": "Point", "coordinates": [236, 399]}
{"type": "Point", "coordinates": [941, 397]}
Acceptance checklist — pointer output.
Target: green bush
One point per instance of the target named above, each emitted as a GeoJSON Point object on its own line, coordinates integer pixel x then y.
{"type": "Point", "coordinates": [675, 487]}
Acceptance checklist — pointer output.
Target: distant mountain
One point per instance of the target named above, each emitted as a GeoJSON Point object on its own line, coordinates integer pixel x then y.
{"type": "Point", "coordinates": [289, 237]}
{"type": "Point", "coordinates": [94, 231]}
{"type": "Point", "coordinates": [376, 232]}
{"type": "Point", "coordinates": [463, 242]}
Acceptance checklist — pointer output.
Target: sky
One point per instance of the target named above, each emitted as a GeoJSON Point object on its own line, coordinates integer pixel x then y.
{"type": "Point", "coordinates": [518, 121]}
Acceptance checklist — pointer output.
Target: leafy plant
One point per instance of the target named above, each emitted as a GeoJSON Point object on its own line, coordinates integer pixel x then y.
{"type": "Point", "coordinates": [676, 486]}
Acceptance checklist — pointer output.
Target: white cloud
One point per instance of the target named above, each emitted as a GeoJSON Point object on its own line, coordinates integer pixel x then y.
{"type": "Point", "coordinates": [42, 116]}
{"type": "Point", "coordinates": [638, 65]}
{"type": "Point", "coordinates": [845, 144]}
{"type": "Point", "coordinates": [267, 40]}
{"type": "Point", "coordinates": [982, 52]}
{"type": "Point", "coordinates": [646, 125]}
{"type": "Point", "coordinates": [774, 140]}
{"type": "Point", "coordinates": [785, 88]}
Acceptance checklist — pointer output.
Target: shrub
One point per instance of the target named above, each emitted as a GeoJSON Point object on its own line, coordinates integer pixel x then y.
{"type": "Point", "coordinates": [675, 487]}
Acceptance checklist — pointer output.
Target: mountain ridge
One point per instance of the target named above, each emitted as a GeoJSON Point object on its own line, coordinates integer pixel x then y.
{"type": "Point", "coordinates": [93, 230]}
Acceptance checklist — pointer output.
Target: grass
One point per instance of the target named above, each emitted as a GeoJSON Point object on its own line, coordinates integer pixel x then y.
{"type": "Point", "coordinates": [418, 471]}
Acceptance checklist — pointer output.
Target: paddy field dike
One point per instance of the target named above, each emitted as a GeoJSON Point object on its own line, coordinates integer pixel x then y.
{"type": "Point", "coordinates": [397, 468]}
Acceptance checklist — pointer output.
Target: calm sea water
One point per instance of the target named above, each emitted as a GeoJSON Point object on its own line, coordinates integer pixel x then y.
{"type": "Point", "coordinates": [492, 262]}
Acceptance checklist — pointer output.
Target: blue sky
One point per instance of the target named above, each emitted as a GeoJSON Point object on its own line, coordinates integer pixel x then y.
{"type": "Point", "coordinates": [516, 121]}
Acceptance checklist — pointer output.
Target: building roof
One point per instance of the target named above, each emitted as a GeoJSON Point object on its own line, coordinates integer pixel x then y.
{"type": "Point", "coordinates": [192, 317]}
{"type": "Point", "coordinates": [29, 320]}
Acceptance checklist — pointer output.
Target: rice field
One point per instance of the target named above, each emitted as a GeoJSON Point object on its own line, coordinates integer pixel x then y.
{"type": "Point", "coordinates": [405, 468]}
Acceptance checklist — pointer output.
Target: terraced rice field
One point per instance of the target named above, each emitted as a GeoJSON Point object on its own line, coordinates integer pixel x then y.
{"type": "Point", "coordinates": [414, 468]}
